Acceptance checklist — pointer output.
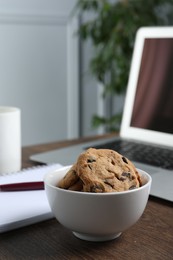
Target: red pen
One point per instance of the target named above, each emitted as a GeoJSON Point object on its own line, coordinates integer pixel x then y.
{"type": "Point", "coordinates": [23, 186]}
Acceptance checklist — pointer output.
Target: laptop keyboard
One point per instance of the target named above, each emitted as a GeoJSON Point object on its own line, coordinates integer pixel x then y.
{"type": "Point", "coordinates": [142, 153]}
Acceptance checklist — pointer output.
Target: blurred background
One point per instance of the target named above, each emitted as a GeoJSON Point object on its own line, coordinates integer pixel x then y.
{"type": "Point", "coordinates": [52, 68]}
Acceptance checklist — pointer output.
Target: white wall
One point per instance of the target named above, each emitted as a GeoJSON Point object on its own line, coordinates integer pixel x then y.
{"type": "Point", "coordinates": [39, 67]}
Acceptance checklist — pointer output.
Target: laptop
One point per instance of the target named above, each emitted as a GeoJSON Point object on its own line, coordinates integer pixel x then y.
{"type": "Point", "coordinates": [146, 134]}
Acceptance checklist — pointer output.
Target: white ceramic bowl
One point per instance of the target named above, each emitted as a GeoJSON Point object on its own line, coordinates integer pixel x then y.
{"type": "Point", "coordinates": [96, 216]}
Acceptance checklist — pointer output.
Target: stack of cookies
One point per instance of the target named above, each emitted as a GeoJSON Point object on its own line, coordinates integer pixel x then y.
{"type": "Point", "coordinates": [101, 170]}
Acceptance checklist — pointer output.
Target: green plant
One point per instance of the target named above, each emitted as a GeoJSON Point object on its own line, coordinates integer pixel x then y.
{"type": "Point", "coordinates": [112, 31]}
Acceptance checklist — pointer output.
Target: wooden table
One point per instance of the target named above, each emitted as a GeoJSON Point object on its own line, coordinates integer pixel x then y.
{"type": "Point", "coordinates": [150, 238]}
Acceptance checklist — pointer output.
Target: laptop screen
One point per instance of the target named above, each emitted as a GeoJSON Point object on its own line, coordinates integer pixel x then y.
{"type": "Point", "coordinates": [148, 107]}
{"type": "Point", "coordinates": [153, 102]}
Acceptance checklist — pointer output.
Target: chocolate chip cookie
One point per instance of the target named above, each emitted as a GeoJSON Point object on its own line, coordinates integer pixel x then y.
{"type": "Point", "coordinates": [101, 170]}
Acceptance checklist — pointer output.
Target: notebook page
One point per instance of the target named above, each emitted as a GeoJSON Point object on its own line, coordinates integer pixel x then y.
{"type": "Point", "coordinates": [22, 208]}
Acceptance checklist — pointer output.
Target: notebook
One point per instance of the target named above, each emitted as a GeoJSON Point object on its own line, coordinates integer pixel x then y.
{"type": "Point", "coordinates": [147, 122]}
{"type": "Point", "coordinates": [22, 208]}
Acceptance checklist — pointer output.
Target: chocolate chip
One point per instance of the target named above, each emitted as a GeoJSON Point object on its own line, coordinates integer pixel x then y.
{"type": "Point", "coordinates": [122, 179]}
{"type": "Point", "coordinates": [132, 187]}
{"type": "Point", "coordinates": [96, 188]}
{"type": "Point", "coordinates": [113, 162]}
{"type": "Point", "coordinates": [126, 174]}
{"type": "Point", "coordinates": [124, 159]}
{"type": "Point", "coordinates": [91, 159]}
